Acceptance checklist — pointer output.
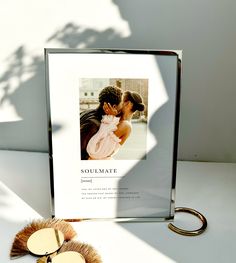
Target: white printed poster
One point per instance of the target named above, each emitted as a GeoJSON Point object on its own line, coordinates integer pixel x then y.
{"type": "Point", "coordinates": [113, 125]}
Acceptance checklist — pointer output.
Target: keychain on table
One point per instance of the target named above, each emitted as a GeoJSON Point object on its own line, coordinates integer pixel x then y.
{"type": "Point", "coordinates": [51, 240]}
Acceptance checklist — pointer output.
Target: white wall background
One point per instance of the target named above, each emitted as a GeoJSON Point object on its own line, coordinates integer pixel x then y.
{"type": "Point", "coordinates": [205, 30]}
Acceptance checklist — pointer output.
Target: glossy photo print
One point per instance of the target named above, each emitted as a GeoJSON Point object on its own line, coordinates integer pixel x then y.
{"type": "Point", "coordinates": [113, 118]}
{"type": "Point", "coordinates": [113, 131]}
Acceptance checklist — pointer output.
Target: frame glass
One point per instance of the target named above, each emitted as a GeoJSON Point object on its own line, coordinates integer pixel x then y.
{"type": "Point", "coordinates": [134, 177]}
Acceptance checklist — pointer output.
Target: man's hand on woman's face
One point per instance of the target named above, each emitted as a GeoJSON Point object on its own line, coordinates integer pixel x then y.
{"type": "Point", "coordinates": [109, 110]}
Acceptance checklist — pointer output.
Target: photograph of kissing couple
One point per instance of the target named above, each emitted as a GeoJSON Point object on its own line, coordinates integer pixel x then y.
{"type": "Point", "coordinates": [113, 118]}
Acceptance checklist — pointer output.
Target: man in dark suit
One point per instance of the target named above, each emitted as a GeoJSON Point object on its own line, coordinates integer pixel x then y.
{"type": "Point", "coordinates": [110, 103]}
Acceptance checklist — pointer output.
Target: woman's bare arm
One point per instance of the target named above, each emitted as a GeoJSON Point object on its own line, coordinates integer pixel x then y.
{"type": "Point", "coordinates": [123, 131]}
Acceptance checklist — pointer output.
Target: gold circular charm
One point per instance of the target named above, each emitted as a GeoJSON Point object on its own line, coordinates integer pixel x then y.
{"type": "Point", "coordinates": [68, 257]}
{"type": "Point", "coordinates": [189, 232]}
{"type": "Point", "coordinates": [45, 241]}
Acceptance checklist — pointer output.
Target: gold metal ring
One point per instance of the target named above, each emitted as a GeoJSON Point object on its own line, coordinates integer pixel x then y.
{"type": "Point", "coordinates": [189, 232]}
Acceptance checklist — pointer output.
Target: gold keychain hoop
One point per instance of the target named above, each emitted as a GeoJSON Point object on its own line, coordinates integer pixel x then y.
{"type": "Point", "coordinates": [189, 232]}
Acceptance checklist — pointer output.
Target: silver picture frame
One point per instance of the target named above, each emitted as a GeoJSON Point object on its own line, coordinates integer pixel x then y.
{"type": "Point", "coordinates": [138, 183]}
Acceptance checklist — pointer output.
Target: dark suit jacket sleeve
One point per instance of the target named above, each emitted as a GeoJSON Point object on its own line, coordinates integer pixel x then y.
{"type": "Point", "coordinates": [86, 133]}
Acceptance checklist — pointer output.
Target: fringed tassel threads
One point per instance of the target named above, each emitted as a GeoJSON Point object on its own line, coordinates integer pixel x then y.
{"type": "Point", "coordinates": [19, 246]}
{"type": "Point", "coordinates": [87, 251]}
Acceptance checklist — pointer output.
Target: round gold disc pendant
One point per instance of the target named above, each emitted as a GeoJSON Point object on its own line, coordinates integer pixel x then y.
{"type": "Point", "coordinates": [45, 241]}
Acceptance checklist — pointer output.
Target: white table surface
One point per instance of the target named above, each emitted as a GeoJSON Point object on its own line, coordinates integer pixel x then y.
{"type": "Point", "coordinates": [207, 187]}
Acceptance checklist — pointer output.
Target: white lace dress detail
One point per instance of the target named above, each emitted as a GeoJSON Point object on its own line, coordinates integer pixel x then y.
{"type": "Point", "coordinates": [104, 144]}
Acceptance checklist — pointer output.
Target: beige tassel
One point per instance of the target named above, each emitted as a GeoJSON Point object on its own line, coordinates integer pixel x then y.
{"type": "Point", "coordinates": [19, 246]}
{"type": "Point", "coordinates": [87, 251]}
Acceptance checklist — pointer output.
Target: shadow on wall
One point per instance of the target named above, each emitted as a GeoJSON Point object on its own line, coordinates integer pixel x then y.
{"type": "Point", "coordinates": [28, 97]}
{"type": "Point", "coordinates": [74, 36]}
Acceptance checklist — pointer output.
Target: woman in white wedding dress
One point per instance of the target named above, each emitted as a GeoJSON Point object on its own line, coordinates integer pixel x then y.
{"type": "Point", "coordinates": [114, 131]}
